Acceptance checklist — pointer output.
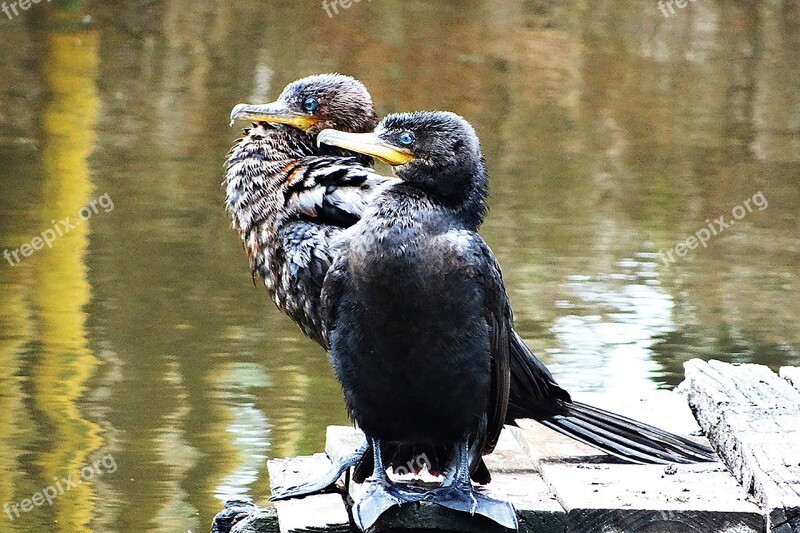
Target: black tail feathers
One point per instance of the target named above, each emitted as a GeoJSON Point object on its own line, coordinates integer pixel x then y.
{"type": "Point", "coordinates": [625, 438]}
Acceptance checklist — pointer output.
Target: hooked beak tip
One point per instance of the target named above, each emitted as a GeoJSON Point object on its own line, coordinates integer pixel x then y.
{"type": "Point", "coordinates": [236, 112]}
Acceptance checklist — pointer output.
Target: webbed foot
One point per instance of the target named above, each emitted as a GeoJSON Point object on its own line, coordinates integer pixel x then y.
{"type": "Point", "coordinates": [379, 496]}
{"type": "Point", "coordinates": [463, 498]}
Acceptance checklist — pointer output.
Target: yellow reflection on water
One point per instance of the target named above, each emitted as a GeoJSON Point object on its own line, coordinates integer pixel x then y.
{"type": "Point", "coordinates": [61, 290]}
{"type": "Point", "coordinates": [15, 321]}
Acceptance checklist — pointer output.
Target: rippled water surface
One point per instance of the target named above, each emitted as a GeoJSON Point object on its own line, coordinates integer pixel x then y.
{"type": "Point", "coordinates": [137, 357]}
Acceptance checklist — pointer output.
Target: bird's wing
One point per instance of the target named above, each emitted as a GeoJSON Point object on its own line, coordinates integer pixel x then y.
{"type": "Point", "coordinates": [335, 284]}
{"type": "Point", "coordinates": [332, 190]}
{"type": "Point", "coordinates": [497, 312]}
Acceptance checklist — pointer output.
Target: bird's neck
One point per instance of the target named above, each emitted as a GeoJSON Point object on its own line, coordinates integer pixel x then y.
{"type": "Point", "coordinates": [408, 208]}
{"type": "Point", "coordinates": [464, 202]}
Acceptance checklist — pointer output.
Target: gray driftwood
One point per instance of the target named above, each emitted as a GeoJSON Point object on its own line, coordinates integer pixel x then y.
{"type": "Point", "coordinates": [753, 418]}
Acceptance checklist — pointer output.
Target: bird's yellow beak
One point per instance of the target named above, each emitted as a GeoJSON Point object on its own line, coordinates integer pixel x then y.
{"type": "Point", "coordinates": [275, 113]}
{"type": "Point", "coordinates": [369, 144]}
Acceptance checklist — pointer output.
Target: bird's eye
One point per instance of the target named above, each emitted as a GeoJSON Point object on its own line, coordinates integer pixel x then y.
{"type": "Point", "coordinates": [310, 105]}
{"type": "Point", "coordinates": [406, 138]}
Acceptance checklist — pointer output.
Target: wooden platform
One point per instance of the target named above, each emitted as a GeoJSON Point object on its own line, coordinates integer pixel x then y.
{"type": "Point", "coordinates": [751, 415]}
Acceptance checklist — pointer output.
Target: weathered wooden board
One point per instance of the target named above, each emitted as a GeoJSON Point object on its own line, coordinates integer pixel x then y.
{"type": "Point", "coordinates": [509, 456]}
{"type": "Point", "coordinates": [513, 479]}
{"type": "Point", "coordinates": [616, 498]}
{"type": "Point", "coordinates": [321, 512]}
{"type": "Point", "coordinates": [665, 409]}
{"type": "Point", "coordinates": [753, 418]}
{"type": "Point", "coordinates": [791, 374]}
{"type": "Point", "coordinates": [538, 511]}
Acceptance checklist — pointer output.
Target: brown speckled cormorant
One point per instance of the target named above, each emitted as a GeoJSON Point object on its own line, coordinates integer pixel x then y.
{"type": "Point", "coordinates": [420, 328]}
{"type": "Point", "coordinates": [288, 197]}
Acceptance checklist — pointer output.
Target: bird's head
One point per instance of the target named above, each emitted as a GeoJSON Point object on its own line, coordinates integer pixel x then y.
{"type": "Point", "coordinates": [315, 103]}
{"type": "Point", "coordinates": [436, 151]}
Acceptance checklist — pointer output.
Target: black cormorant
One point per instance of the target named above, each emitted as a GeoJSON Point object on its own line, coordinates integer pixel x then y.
{"type": "Point", "coordinates": [420, 328]}
{"type": "Point", "coordinates": [417, 316]}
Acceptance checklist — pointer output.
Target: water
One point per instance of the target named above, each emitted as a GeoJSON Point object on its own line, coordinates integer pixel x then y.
{"type": "Point", "coordinates": [137, 348]}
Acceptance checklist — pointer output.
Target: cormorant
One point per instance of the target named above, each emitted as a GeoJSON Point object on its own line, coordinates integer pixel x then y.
{"type": "Point", "coordinates": [417, 316]}
{"type": "Point", "coordinates": [290, 198]}
{"type": "Point", "coordinates": [420, 328]}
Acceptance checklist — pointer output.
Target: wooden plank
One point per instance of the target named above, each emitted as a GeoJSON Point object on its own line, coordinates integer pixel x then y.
{"type": "Point", "coordinates": [538, 511]}
{"type": "Point", "coordinates": [513, 479]}
{"type": "Point", "coordinates": [664, 409]}
{"type": "Point", "coordinates": [792, 375]}
{"type": "Point", "coordinates": [616, 498]}
{"type": "Point", "coordinates": [753, 418]}
{"type": "Point", "coordinates": [508, 455]}
{"type": "Point", "coordinates": [321, 512]}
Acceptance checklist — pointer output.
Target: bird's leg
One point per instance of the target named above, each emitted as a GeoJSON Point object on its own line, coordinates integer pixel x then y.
{"type": "Point", "coordinates": [456, 492]}
{"type": "Point", "coordinates": [380, 494]}
{"type": "Point", "coordinates": [454, 471]}
{"type": "Point", "coordinates": [324, 482]}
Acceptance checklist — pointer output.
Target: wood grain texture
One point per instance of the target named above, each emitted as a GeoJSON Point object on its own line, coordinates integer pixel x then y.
{"type": "Point", "coordinates": [260, 521]}
{"type": "Point", "coordinates": [617, 498]}
{"type": "Point", "coordinates": [753, 418]}
{"type": "Point", "coordinates": [321, 512]}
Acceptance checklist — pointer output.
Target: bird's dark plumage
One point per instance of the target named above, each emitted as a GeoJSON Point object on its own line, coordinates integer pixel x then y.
{"type": "Point", "coordinates": [290, 198]}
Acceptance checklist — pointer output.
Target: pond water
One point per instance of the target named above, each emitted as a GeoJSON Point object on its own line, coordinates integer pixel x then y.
{"type": "Point", "coordinates": [137, 357]}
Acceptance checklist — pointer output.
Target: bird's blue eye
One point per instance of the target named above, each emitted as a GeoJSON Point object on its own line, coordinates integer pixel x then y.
{"type": "Point", "coordinates": [406, 138]}
{"type": "Point", "coordinates": [310, 105]}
